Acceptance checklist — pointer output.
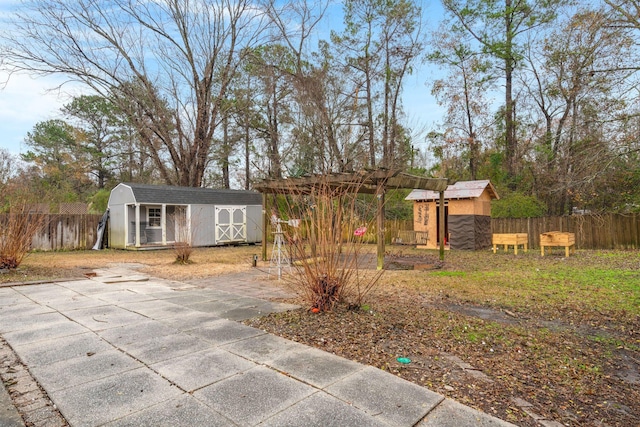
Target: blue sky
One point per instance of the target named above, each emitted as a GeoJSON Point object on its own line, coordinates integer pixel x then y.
{"type": "Point", "coordinates": [25, 100]}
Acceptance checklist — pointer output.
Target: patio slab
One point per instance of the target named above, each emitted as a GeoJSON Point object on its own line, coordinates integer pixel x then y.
{"type": "Point", "coordinates": [320, 409]}
{"type": "Point", "coordinates": [50, 351]}
{"type": "Point", "coordinates": [136, 333]}
{"type": "Point", "coordinates": [184, 411]}
{"type": "Point", "coordinates": [98, 402]}
{"type": "Point", "coordinates": [453, 414]}
{"type": "Point", "coordinates": [123, 296]}
{"type": "Point", "coordinates": [9, 297]}
{"type": "Point", "coordinates": [57, 329]}
{"type": "Point", "coordinates": [104, 317]}
{"type": "Point", "coordinates": [82, 369]}
{"type": "Point", "coordinates": [26, 316]}
{"type": "Point", "coordinates": [315, 367]}
{"type": "Point", "coordinates": [253, 396]}
{"type": "Point", "coordinates": [155, 309]}
{"type": "Point", "coordinates": [224, 331]}
{"type": "Point", "coordinates": [197, 370]}
{"type": "Point", "coordinates": [391, 399]}
{"type": "Point", "coordinates": [264, 348]}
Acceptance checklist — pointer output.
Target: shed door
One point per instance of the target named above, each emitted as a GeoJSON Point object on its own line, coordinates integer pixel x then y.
{"type": "Point", "coordinates": [231, 224]}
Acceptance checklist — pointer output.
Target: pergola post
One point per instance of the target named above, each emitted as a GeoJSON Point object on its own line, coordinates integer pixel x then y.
{"type": "Point", "coordinates": [380, 223]}
{"type": "Point", "coordinates": [264, 226]}
{"type": "Point", "coordinates": [441, 226]}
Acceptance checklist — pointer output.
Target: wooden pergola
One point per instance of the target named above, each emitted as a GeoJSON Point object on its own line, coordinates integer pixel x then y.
{"type": "Point", "coordinates": [366, 182]}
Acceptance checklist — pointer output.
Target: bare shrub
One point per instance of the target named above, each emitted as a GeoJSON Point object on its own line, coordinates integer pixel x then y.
{"type": "Point", "coordinates": [327, 250]}
{"type": "Point", "coordinates": [182, 247]}
{"type": "Point", "coordinates": [17, 229]}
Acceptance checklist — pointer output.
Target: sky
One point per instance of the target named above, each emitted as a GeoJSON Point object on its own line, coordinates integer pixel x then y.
{"type": "Point", "coordinates": [26, 100]}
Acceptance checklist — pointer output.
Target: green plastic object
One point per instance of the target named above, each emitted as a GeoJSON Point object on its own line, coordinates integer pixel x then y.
{"type": "Point", "coordinates": [403, 360]}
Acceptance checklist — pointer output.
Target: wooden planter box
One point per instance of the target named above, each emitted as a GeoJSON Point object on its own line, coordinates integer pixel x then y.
{"type": "Point", "coordinates": [409, 237]}
{"type": "Point", "coordinates": [513, 239]}
{"type": "Point", "coordinates": [558, 238]}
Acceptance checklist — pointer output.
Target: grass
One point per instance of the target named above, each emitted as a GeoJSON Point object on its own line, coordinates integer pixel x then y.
{"type": "Point", "coordinates": [593, 283]}
{"type": "Point", "coordinates": [206, 262]}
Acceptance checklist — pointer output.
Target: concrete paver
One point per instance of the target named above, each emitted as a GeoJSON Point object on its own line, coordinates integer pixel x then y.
{"type": "Point", "coordinates": [104, 317]}
{"type": "Point", "coordinates": [155, 309]}
{"type": "Point", "coordinates": [453, 414]}
{"type": "Point", "coordinates": [197, 370]}
{"type": "Point", "coordinates": [98, 402]}
{"type": "Point", "coordinates": [185, 411]}
{"type": "Point", "coordinates": [322, 410]}
{"type": "Point", "coordinates": [56, 329]}
{"type": "Point", "coordinates": [315, 367]}
{"type": "Point", "coordinates": [83, 369]}
{"type": "Point", "coordinates": [46, 352]}
{"type": "Point", "coordinates": [265, 348]}
{"type": "Point", "coordinates": [129, 334]}
{"type": "Point", "coordinates": [387, 397]}
{"type": "Point", "coordinates": [253, 396]}
{"type": "Point", "coordinates": [156, 349]}
{"type": "Point", "coordinates": [128, 350]}
{"type": "Point", "coordinates": [223, 331]}
{"type": "Point", "coordinates": [24, 318]}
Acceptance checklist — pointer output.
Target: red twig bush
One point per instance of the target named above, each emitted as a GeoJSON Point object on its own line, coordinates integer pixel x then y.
{"type": "Point", "coordinates": [182, 247]}
{"type": "Point", "coordinates": [17, 230]}
{"type": "Point", "coordinates": [327, 250]}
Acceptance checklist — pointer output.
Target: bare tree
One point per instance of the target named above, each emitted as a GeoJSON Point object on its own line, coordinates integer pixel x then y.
{"type": "Point", "coordinates": [169, 62]}
{"type": "Point", "coordinates": [381, 41]}
{"type": "Point", "coordinates": [462, 92]}
{"type": "Point", "coordinates": [579, 97]}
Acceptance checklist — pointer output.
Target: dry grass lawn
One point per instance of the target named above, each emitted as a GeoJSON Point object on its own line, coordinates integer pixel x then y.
{"type": "Point", "coordinates": [206, 262]}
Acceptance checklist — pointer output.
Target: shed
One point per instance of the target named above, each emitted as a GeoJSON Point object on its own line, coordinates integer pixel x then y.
{"type": "Point", "coordinates": [467, 214]}
{"type": "Point", "coordinates": [143, 216]}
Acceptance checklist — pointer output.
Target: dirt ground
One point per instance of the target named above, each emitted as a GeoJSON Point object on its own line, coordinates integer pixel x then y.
{"type": "Point", "coordinates": [573, 366]}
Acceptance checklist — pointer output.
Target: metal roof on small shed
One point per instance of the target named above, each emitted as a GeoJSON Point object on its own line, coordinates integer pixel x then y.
{"type": "Point", "coordinates": [165, 194]}
{"type": "Point", "coordinates": [459, 190]}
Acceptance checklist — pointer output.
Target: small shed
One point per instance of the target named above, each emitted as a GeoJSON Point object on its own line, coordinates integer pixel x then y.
{"type": "Point", "coordinates": [467, 215]}
{"type": "Point", "coordinates": [144, 216]}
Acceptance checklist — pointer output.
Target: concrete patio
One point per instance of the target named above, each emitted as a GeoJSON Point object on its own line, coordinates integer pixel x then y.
{"type": "Point", "coordinates": [122, 349]}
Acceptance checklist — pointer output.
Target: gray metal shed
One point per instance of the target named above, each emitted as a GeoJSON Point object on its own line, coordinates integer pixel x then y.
{"type": "Point", "coordinates": [143, 216]}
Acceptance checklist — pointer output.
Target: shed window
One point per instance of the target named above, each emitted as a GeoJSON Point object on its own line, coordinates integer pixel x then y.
{"type": "Point", "coordinates": [154, 216]}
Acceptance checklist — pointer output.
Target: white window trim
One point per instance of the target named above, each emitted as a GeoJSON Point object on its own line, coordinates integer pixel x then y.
{"type": "Point", "coordinates": [159, 226]}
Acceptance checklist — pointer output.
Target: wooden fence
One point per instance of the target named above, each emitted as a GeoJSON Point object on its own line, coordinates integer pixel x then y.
{"type": "Point", "coordinates": [606, 231]}
{"type": "Point", "coordinates": [65, 232]}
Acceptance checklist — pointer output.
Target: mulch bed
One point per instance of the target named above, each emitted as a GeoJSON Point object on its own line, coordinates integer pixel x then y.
{"type": "Point", "coordinates": [520, 369]}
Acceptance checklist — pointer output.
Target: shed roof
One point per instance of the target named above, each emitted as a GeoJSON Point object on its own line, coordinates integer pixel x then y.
{"type": "Point", "coordinates": [459, 190]}
{"type": "Point", "coordinates": [165, 194]}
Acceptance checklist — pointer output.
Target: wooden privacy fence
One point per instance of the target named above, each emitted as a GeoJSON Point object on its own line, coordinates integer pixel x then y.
{"type": "Point", "coordinates": [606, 231]}
{"type": "Point", "coordinates": [65, 232]}
{"type": "Point", "coordinates": [603, 231]}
